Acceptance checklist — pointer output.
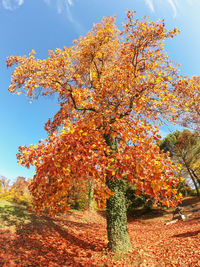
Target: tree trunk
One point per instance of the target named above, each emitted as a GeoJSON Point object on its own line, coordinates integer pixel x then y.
{"type": "Point", "coordinates": [191, 176]}
{"type": "Point", "coordinates": [194, 181]}
{"type": "Point", "coordinates": [91, 195]}
{"type": "Point", "coordinates": [197, 180]}
{"type": "Point", "coordinates": [118, 238]}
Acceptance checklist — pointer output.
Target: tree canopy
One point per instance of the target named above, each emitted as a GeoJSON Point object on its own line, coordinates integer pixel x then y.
{"type": "Point", "coordinates": [184, 148]}
{"type": "Point", "coordinates": [113, 87]}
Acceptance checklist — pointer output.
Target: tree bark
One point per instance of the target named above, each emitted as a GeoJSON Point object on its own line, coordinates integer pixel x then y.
{"type": "Point", "coordinates": [191, 176]}
{"type": "Point", "coordinates": [198, 181]}
{"type": "Point", "coordinates": [118, 238]}
{"type": "Point", "coordinates": [194, 181]}
{"type": "Point", "coordinates": [91, 195]}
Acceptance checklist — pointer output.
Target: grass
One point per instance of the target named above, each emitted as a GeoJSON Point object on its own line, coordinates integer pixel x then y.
{"type": "Point", "coordinates": [13, 215]}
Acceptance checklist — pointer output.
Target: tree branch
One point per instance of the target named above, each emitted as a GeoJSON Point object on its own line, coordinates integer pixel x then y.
{"type": "Point", "coordinates": [72, 98]}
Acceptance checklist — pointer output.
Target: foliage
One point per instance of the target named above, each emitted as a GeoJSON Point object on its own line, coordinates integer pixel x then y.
{"type": "Point", "coordinates": [189, 93]}
{"type": "Point", "coordinates": [20, 192]}
{"type": "Point", "coordinates": [107, 86]}
{"type": "Point", "coordinates": [184, 148]}
{"type": "Point", "coordinates": [4, 187]}
{"type": "Point", "coordinates": [135, 201]}
{"type": "Point", "coordinates": [17, 192]}
{"type": "Point", "coordinates": [184, 189]}
{"type": "Point", "coordinates": [78, 195]}
{"type": "Point", "coordinates": [4, 184]}
{"type": "Point", "coordinates": [113, 87]}
{"type": "Point", "coordinates": [169, 143]}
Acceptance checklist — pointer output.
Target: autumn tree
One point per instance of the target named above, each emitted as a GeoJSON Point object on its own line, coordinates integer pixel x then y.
{"type": "Point", "coordinates": [4, 184]}
{"type": "Point", "coordinates": [19, 190]}
{"type": "Point", "coordinates": [189, 98]}
{"type": "Point", "coordinates": [80, 194]}
{"type": "Point", "coordinates": [184, 148]}
{"type": "Point", "coordinates": [112, 86]}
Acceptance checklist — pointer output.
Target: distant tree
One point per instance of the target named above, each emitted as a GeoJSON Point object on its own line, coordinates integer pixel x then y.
{"type": "Point", "coordinates": [184, 148]}
{"type": "Point", "coordinates": [169, 143]}
{"type": "Point", "coordinates": [79, 194]}
{"type": "Point", "coordinates": [135, 200]}
{"type": "Point", "coordinates": [189, 99]}
{"type": "Point", "coordinates": [4, 184]}
{"type": "Point", "coordinates": [19, 189]}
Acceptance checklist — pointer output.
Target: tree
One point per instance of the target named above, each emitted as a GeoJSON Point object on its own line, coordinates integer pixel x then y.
{"type": "Point", "coordinates": [184, 148]}
{"type": "Point", "coordinates": [169, 143]}
{"type": "Point", "coordinates": [189, 98]}
{"type": "Point", "coordinates": [112, 87]}
{"type": "Point", "coordinates": [19, 190]}
{"type": "Point", "coordinates": [80, 195]}
{"type": "Point", "coordinates": [4, 184]}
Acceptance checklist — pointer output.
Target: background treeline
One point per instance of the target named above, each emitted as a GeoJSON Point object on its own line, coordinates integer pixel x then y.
{"type": "Point", "coordinates": [183, 148]}
{"type": "Point", "coordinates": [17, 191]}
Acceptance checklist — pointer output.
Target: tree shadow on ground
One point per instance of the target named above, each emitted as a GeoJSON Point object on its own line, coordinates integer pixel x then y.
{"type": "Point", "coordinates": [145, 214]}
{"type": "Point", "coordinates": [44, 241]}
{"type": "Point", "coordinates": [142, 214]}
{"type": "Point", "coordinates": [102, 213]}
{"type": "Point", "coordinates": [187, 234]}
{"type": "Point", "coordinates": [190, 201]}
{"type": "Point", "coordinates": [194, 219]}
{"type": "Point", "coordinates": [15, 215]}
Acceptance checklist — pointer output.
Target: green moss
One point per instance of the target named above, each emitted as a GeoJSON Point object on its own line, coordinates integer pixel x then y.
{"type": "Point", "coordinates": [117, 218]}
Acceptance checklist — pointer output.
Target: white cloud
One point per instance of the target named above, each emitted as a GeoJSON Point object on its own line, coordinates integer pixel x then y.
{"type": "Point", "coordinates": [173, 5]}
{"type": "Point", "coordinates": [60, 6]}
{"type": "Point", "coordinates": [11, 4]}
{"type": "Point", "coordinates": [150, 4]}
{"type": "Point", "coordinates": [48, 2]}
{"type": "Point", "coordinates": [64, 7]}
{"type": "Point", "coordinates": [70, 2]}
{"type": "Point", "coordinates": [70, 17]}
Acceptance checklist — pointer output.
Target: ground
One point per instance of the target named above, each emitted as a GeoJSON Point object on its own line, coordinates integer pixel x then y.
{"type": "Point", "coordinates": [79, 238]}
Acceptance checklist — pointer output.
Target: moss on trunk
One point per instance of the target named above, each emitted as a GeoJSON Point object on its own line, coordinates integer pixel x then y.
{"type": "Point", "coordinates": [118, 238]}
{"type": "Point", "coordinates": [117, 218]}
{"type": "Point", "coordinates": [91, 195]}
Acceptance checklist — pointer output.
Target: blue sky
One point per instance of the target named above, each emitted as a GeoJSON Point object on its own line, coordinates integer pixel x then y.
{"type": "Point", "coordinates": [44, 25]}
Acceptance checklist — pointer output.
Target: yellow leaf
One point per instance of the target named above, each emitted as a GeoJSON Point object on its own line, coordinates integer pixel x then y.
{"type": "Point", "coordinates": [57, 165]}
{"type": "Point", "coordinates": [155, 186]}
